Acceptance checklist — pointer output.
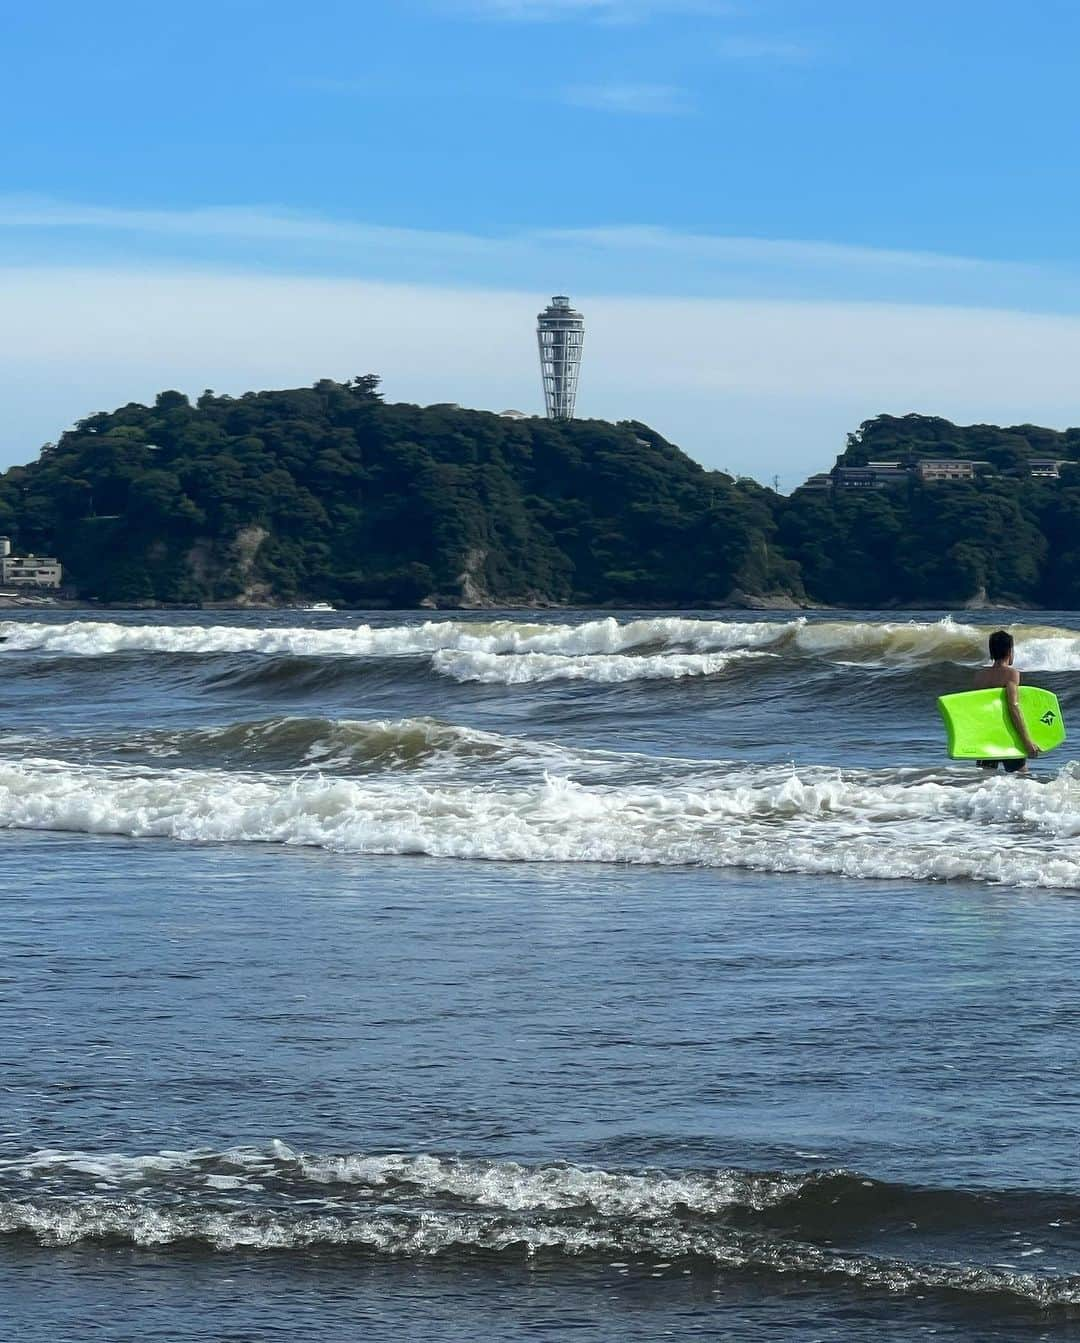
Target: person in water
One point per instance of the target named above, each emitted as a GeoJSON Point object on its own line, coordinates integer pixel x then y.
{"type": "Point", "coordinates": [1001, 674]}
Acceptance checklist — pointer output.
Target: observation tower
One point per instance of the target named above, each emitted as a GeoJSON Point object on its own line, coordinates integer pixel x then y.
{"type": "Point", "coordinates": [561, 333]}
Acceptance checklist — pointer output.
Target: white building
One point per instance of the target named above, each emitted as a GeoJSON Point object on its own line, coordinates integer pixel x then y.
{"type": "Point", "coordinates": [28, 571]}
{"type": "Point", "coordinates": [1047, 468]}
{"type": "Point", "coordinates": [946, 468]}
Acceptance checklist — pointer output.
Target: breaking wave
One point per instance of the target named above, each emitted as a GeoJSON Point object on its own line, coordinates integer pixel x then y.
{"type": "Point", "coordinates": [306, 747]}
{"type": "Point", "coordinates": [423, 1206]}
{"type": "Point", "coordinates": [292, 743]}
{"type": "Point", "coordinates": [861, 824]}
{"type": "Point", "coordinates": [595, 650]}
{"type": "Point", "coordinates": [609, 636]}
{"type": "Point", "coordinates": [604, 669]}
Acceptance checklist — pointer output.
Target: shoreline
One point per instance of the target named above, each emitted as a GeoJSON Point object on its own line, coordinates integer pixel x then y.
{"type": "Point", "coordinates": [746, 604]}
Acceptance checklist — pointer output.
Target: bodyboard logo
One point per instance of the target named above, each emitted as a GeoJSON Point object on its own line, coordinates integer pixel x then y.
{"type": "Point", "coordinates": [1048, 718]}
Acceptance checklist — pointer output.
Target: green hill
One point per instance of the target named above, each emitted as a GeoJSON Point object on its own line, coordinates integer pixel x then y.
{"type": "Point", "coordinates": [1006, 450]}
{"type": "Point", "coordinates": [328, 492]}
{"type": "Point", "coordinates": [1004, 536]}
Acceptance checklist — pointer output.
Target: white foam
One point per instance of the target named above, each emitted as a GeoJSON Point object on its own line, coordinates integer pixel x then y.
{"type": "Point", "coordinates": [1052, 652]}
{"type": "Point", "coordinates": [421, 1205]}
{"type": "Point", "coordinates": [420, 1234]}
{"type": "Point", "coordinates": [863, 824]}
{"type": "Point", "coordinates": [509, 1185]}
{"type": "Point", "coordinates": [111, 1167]}
{"type": "Point", "coordinates": [605, 669]}
{"type": "Point", "coordinates": [1039, 648]}
{"type": "Point", "coordinates": [427, 1233]}
{"type": "Point", "coordinates": [607, 636]}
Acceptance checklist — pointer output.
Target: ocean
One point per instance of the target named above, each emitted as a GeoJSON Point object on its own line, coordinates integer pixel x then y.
{"type": "Point", "coordinates": [508, 976]}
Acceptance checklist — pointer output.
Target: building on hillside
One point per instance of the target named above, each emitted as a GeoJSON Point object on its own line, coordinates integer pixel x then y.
{"type": "Point", "coordinates": [1047, 468]}
{"type": "Point", "coordinates": [560, 332]}
{"type": "Point", "coordinates": [857, 478]}
{"type": "Point", "coordinates": [513, 415]}
{"type": "Point", "coordinates": [888, 473]}
{"type": "Point", "coordinates": [947, 468]}
{"type": "Point", "coordinates": [880, 475]}
{"type": "Point", "coordinates": [28, 571]}
{"type": "Point", "coordinates": [872, 476]}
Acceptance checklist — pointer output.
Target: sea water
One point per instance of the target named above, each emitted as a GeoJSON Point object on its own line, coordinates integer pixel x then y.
{"type": "Point", "coordinates": [493, 977]}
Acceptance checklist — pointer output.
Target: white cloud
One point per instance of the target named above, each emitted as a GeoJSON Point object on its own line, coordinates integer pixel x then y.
{"type": "Point", "coordinates": [612, 259]}
{"type": "Point", "coordinates": [244, 223]}
{"type": "Point", "coordinates": [786, 251]}
{"type": "Point", "coordinates": [635, 99]}
{"type": "Point", "coordinates": [631, 245]}
{"type": "Point", "coordinates": [754, 49]}
{"type": "Point", "coordinates": [758, 386]}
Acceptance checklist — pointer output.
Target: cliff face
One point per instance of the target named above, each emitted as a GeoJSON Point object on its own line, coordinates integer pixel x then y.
{"type": "Point", "coordinates": [329, 493]}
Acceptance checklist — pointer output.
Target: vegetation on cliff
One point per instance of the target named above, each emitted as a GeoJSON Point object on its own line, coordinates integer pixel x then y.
{"type": "Point", "coordinates": [1004, 536]}
{"type": "Point", "coordinates": [330, 493]}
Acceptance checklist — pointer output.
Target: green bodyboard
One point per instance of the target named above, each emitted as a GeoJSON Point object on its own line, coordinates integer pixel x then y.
{"type": "Point", "coordinates": [979, 725]}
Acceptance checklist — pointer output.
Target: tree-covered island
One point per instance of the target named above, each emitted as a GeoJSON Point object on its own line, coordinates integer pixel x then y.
{"type": "Point", "coordinates": [330, 493]}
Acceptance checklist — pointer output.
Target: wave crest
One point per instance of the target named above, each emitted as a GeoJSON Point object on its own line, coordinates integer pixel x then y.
{"type": "Point", "coordinates": [425, 1205]}
{"type": "Point", "coordinates": [291, 743]}
{"type": "Point", "coordinates": [643, 643]}
{"type": "Point", "coordinates": [866, 824]}
{"type": "Point", "coordinates": [602, 669]}
{"type": "Point", "coordinates": [96, 638]}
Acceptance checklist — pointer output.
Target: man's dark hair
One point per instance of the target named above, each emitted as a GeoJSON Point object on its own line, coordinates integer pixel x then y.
{"type": "Point", "coordinates": [1001, 645]}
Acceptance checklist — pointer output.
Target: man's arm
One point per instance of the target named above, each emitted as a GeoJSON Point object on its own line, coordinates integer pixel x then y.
{"type": "Point", "coordinates": [1011, 687]}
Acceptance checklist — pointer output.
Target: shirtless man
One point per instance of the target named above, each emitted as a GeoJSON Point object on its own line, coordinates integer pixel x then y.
{"type": "Point", "coordinates": [1002, 674]}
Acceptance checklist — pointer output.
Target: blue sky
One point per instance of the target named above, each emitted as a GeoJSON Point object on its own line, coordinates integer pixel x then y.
{"type": "Point", "coordinates": [780, 216]}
